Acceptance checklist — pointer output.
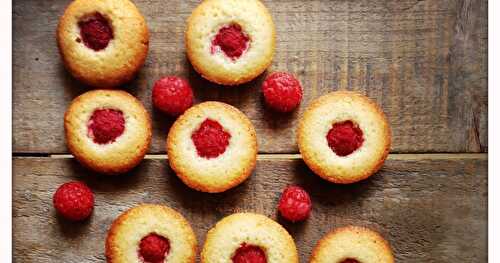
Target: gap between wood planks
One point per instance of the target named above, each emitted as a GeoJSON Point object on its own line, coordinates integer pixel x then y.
{"type": "Point", "coordinates": [281, 156]}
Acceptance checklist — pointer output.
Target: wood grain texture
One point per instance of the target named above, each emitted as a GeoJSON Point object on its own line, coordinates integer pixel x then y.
{"type": "Point", "coordinates": [423, 61]}
{"type": "Point", "coordinates": [431, 208]}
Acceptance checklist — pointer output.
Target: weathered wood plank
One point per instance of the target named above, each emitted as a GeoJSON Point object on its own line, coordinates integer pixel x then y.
{"type": "Point", "coordinates": [423, 61]}
{"type": "Point", "coordinates": [431, 208]}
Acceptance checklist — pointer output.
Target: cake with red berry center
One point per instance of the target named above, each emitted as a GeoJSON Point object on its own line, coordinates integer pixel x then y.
{"type": "Point", "coordinates": [212, 147]}
{"type": "Point", "coordinates": [150, 234]}
{"type": "Point", "coordinates": [352, 244]}
{"type": "Point", "coordinates": [230, 42]}
{"type": "Point", "coordinates": [344, 137]}
{"type": "Point", "coordinates": [108, 131]}
{"type": "Point", "coordinates": [103, 43]}
{"type": "Point", "coordinates": [248, 237]}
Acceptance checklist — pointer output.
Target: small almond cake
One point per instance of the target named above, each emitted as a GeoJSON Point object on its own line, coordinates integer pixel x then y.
{"type": "Point", "coordinates": [352, 244]}
{"type": "Point", "coordinates": [150, 234]}
{"type": "Point", "coordinates": [248, 237]}
{"type": "Point", "coordinates": [344, 137]}
{"type": "Point", "coordinates": [108, 131]}
{"type": "Point", "coordinates": [212, 147]}
{"type": "Point", "coordinates": [230, 42]}
{"type": "Point", "coordinates": [103, 43]}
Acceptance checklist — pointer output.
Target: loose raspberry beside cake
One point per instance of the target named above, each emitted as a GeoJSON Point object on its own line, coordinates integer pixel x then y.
{"type": "Point", "coordinates": [172, 95]}
{"type": "Point", "coordinates": [295, 204]}
{"type": "Point", "coordinates": [344, 137]}
{"type": "Point", "coordinates": [74, 201]}
{"type": "Point", "coordinates": [212, 147]}
{"type": "Point", "coordinates": [282, 91]}
{"type": "Point", "coordinates": [108, 131]}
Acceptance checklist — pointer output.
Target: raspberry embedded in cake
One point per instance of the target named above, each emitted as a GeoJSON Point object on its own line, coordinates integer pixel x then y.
{"type": "Point", "coordinates": [150, 233]}
{"type": "Point", "coordinates": [252, 238]}
{"type": "Point", "coordinates": [344, 138]}
{"type": "Point", "coordinates": [352, 244]}
{"type": "Point", "coordinates": [249, 254]}
{"type": "Point", "coordinates": [95, 32]}
{"type": "Point", "coordinates": [105, 125]}
{"type": "Point", "coordinates": [231, 40]}
{"type": "Point", "coordinates": [154, 248]}
{"type": "Point", "coordinates": [210, 139]}
{"type": "Point", "coordinates": [212, 147]}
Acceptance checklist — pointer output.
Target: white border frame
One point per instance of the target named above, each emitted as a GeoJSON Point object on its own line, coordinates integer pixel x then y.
{"type": "Point", "coordinates": [6, 131]}
{"type": "Point", "coordinates": [493, 129]}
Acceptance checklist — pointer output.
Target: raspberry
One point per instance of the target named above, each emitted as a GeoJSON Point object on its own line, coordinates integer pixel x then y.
{"type": "Point", "coordinates": [295, 204]}
{"type": "Point", "coordinates": [249, 254]}
{"type": "Point", "coordinates": [231, 40]}
{"type": "Point", "coordinates": [105, 125]}
{"type": "Point", "coordinates": [153, 248]}
{"type": "Point", "coordinates": [95, 32]}
{"type": "Point", "coordinates": [211, 140]}
{"type": "Point", "coordinates": [344, 138]}
{"type": "Point", "coordinates": [282, 91]}
{"type": "Point", "coordinates": [74, 201]}
{"type": "Point", "coordinates": [172, 95]}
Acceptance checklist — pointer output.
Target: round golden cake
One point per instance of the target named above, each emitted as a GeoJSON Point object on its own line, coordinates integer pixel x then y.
{"type": "Point", "coordinates": [352, 244]}
{"type": "Point", "coordinates": [103, 43]}
{"type": "Point", "coordinates": [212, 147]}
{"type": "Point", "coordinates": [230, 42]}
{"type": "Point", "coordinates": [108, 131]}
{"type": "Point", "coordinates": [149, 234]}
{"type": "Point", "coordinates": [344, 137]}
{"type": "Point", "coordinates": [248, 237]}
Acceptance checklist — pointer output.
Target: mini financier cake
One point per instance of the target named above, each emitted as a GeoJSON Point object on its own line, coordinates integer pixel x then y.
{"type": "Point", "coordinates": [150, 234]}
{"type": "Point", "coordinates": [352, 244]}
{"type": "Point", "coordinates": [230, 42]}
{"type": "Point", "coordinates": [108, 131]}
{"type": "Point", "coordinates": [212, 147]}
{"type": "Point", "coordinates": [248, 237]}
{"type": "Point", "coordinates": [103, 43]}
{"type": "Point", "coordinates": [344, 137]}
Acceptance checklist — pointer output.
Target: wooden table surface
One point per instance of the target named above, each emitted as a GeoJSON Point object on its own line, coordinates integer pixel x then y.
{"type": "Point", "coordinates": [423, 61]}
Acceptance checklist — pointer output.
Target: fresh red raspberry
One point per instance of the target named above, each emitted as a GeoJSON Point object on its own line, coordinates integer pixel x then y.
{"type": "Point", "coordinates": [282, 91]}
{"type": "Point", "coordinates": [231, 40]}
{"type": "Point", "coordinates": [153, 248]}
{"type": "Point", "coordinates": [249, 254]}
{"type": "Point", "coordinates": [295, 204]}
{"type": "Point", "coordinates": [74, 201]}
{"type": "Point", "coordinates": [172, 95]}
{"type": "Point", "coordinates": [344, 138]}
{"type": "Point", "coordinates": [211, 140]}
{"type": "Point", "coordinates": [95, 32]}
{"type": "Point", "coordinates": [105, 125]}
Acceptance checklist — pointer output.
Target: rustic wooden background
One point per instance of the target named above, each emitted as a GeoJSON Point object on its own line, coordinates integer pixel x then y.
{"type": "Point", "coordinates": [423, 61]}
